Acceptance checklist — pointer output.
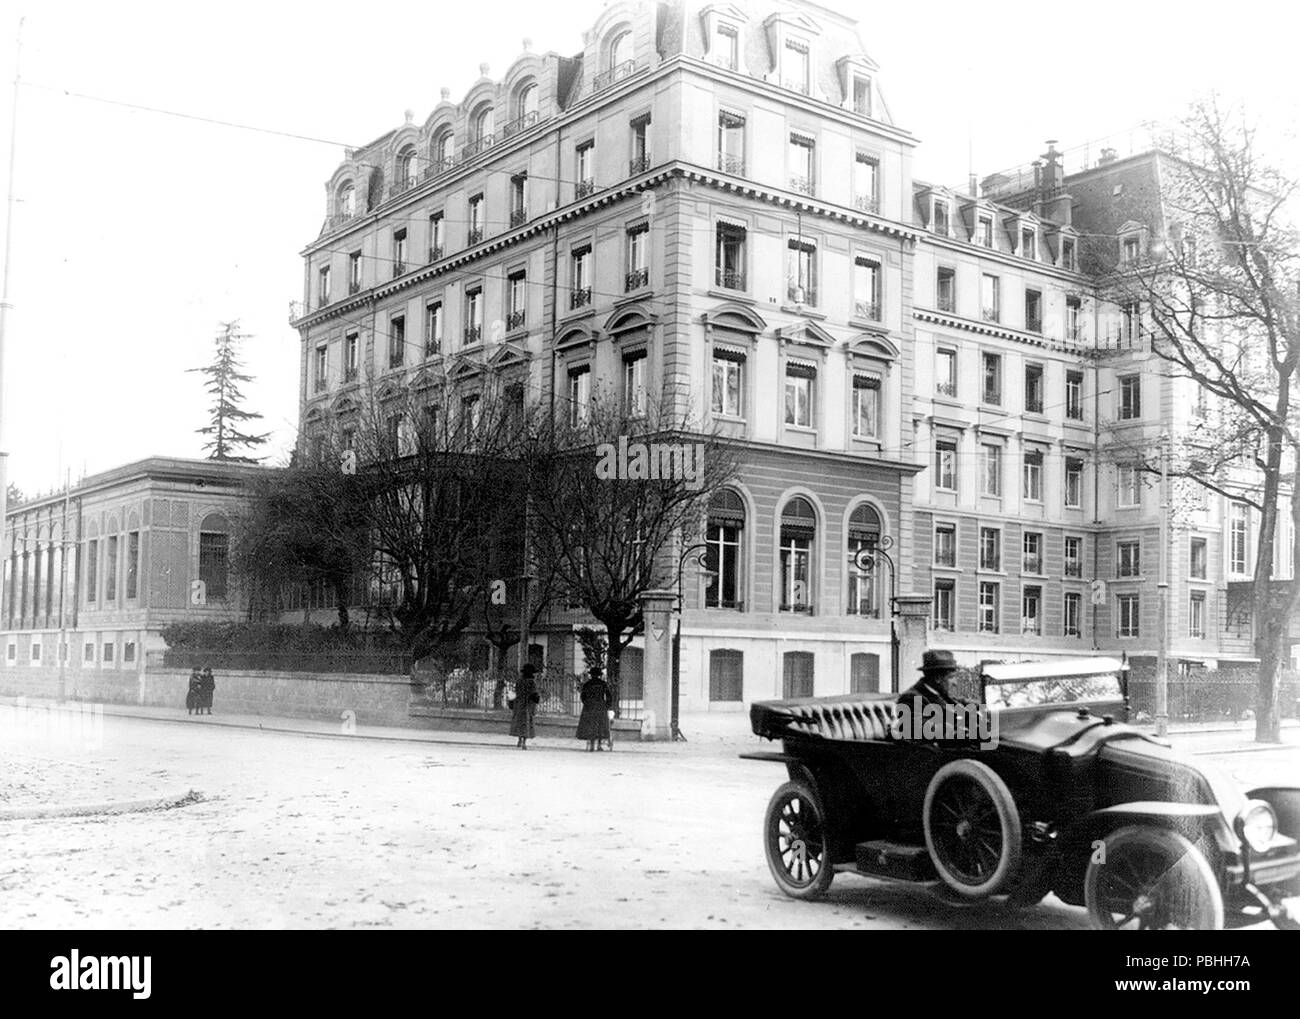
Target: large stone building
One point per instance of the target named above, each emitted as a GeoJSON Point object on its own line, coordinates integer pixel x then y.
{"type": "Point", "coordinates": [713, 199]}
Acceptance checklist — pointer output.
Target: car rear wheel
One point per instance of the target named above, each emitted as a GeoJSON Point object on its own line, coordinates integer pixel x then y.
{"type": "Point", "coordinates": [972, 829]}
{"type": "Point", "coordinates": [795, 842]}
{"type": "Point", "coordinates": [1149, 878]}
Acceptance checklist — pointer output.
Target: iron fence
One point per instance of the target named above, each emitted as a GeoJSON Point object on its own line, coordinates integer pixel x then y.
{"type": "Point", "coordinates": [361, 661]}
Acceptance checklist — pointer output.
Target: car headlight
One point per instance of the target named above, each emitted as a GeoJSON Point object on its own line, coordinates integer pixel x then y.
{"type": "Point", "coordinates": [1258, 825]}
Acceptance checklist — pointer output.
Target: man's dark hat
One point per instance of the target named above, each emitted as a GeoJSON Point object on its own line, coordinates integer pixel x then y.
{"type": "Point", "coordinates": [938, 661]}
{"type": "Point", "coordinates": [528, 670]}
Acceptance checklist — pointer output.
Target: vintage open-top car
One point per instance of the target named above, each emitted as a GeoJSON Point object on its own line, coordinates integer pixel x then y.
{"type": "Point", "coordinates": [1068, 798]}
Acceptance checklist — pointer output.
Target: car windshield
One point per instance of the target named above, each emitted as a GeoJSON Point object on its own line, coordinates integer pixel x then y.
{"type": "Point", "coordinates": [1028, 693]}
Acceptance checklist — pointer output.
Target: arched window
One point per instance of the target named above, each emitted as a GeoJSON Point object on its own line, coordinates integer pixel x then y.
{"type": "Point", "coordinates": [620, 49]}
{"type": "Point", "coordinates": [214, 555]}
{"type": "Point", "coordinates": [443, 153]}
{"type": "Point", "coordinates": [406, 174]}
{"type": "Point", "coordinates": [483, 126]}
{"type": "Point", "coordinates": [347, 204]}
{"type": "Point", "coordinates": [864, 585]}
{"type": "Point", "coordinates": [724, 581]}
{"type": "Point", "coordinates": [798, 531]}
{"type": "Point", "coordinates": [526, 108]}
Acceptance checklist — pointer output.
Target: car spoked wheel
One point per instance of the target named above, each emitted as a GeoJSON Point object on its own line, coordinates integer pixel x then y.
{"type": "Point", "coordinates": [1147, 878]}
{"type": "Point", "coordinates": [972, 829]}
{"type": "Point", "coordinates": [795, 842]}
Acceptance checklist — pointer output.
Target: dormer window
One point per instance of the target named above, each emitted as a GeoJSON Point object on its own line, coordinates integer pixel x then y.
{"type": "Point", "coordinates": [620, 50]}
{"type": "Point", "coordinates": [726, 47]}
{"type": "Point", "coordinates": [1069, 260]}
{"type": "Point", "coordinates": [528, 102]}
{"type": "Point", "coordinates": [984, 232]}
{"type": "Point", "coordinates": [795, 66]}
{"type": "Point", "coordinates": [862, 96]}
{"type": "Point", "coordinates": [444, 151]}
{"type": "Point", "coordinates": [1131, 249]}
{"type": "Point", "coordinates": [1029, 243]}
{"type": "Point", "coordinates": [483, 126]}
{"type": "Point", "coordinates": [347, 201]}
{"type": "Point", "coordinates": [939, 217]}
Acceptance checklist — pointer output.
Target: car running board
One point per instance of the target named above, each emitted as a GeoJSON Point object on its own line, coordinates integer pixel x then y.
{"type": "Point", "coordinates": [898, 860]}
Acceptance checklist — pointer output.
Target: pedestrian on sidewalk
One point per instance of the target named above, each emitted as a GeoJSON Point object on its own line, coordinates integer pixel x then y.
{"type": "Point", "coordinates": [209, 686]}
{"type": "Point", "coordinates": [593, 723]}
{"type": "Point", "coordinates": [194, 695]}
{"type": "Point", "coordinates": [524, 705]}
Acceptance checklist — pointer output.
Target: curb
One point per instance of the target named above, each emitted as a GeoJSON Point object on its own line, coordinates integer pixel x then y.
{"type": "Point", "coordinates": [101, 809]}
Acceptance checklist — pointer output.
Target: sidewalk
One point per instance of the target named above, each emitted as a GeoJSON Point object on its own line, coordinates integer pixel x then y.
{"type": "Point", "coordinates": [709, 732]}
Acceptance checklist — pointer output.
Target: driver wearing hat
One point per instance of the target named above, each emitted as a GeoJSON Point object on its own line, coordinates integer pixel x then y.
{"type": "Point", "coordinates": [936, 669]}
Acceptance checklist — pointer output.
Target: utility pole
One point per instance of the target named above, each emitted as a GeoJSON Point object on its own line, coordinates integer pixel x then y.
{"type": "Point", "coordinates": [1162, 654]}
{"type": "Point", "coordinates": [4, 294]}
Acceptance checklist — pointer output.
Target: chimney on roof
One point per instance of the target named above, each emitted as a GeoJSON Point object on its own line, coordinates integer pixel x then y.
{"type": "Point", "coordinates": [1053, 171]}
{"type": "Point", "coordinates": [973, 184]}
{"type": "Point", "coordinates": [1108, 156]}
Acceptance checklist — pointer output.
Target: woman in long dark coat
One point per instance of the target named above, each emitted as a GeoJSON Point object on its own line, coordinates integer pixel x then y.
{"type": "Point", "coordinates": [209, 686]}
{"type": "Point", "coordinates": [593, 723]}
{"type": "Point", "coordinates": [527, 697]}
{"type": "Point", "coordinates": [194, 696]}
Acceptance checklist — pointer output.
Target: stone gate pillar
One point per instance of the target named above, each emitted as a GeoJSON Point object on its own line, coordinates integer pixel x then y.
{"type": "Point", "coordinates": [912, 628]}
{"type": "Point", "coordinates": [657, 664]}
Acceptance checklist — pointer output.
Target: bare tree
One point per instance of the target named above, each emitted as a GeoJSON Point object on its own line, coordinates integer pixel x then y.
{"type": "Point", "coordinates": [1221, 289]}
{"type": "Point", "coordinates": [445, 501]}
{"type": "Point", "coordinates": [615, 494]}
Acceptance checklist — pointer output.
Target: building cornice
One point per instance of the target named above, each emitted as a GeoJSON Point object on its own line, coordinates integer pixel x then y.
{"type": "Point", "coordinates": [994, 329]}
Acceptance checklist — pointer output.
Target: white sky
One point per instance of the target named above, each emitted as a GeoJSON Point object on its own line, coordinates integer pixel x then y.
{"type": "Point", "coordinates": [135, 234]}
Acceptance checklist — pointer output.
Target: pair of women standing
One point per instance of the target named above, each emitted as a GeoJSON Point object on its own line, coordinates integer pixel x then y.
{"type": "Point", "coordinates": [198, 699]}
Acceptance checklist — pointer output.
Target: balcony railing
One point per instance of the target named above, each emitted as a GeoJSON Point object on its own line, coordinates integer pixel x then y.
{"type": "Point", "coordinates": [1030, 627]}
{"type": "Point", "coordinates": [518, 217]}
{"type": "Point", "coordinates": [946, 388]}
{"type": "Point", "coordinates": [439, 167]}
{"type": "Point", "coordinates": [397, 187]}
{"type": "Point", "coordinates": [580, 297]}
{"type": "Point", "coordinates": [297, 310]}
{"type": "Point", "coordinates": [339, 218]}
{"type": "Point", "coordinates": [730, 279]}
{"type": "Point", "coordinates": [732, 164]}
{"type": "Point", "coordinates": [320, 386]}
{"type": "Point", "coordinates": [869, 310]}
{"type": "Point", "coordinates": [354, 287]}
{"type": "Point", "coordinates": [616, 73]}
{"type": "Point", "coordinates": [584, 188]}
{"type": "Point", "coordinates": [992, 315]}
{"type": "Point", "coordinates": [638, 165]}
{"type": "Point", "coordinates": [395, 358]}
{"type": "Point", "coordinates": [399, 269]}
{"type": "Point", "coordinates": [516, 320]}
{"type": "Point", "coordinates": [1034, 325]}
{"type": "Point", "coordinates": [520, 124]}
{"type": "Point", "coordinates": [475, 235]}
{"type": "Point", "coordinates": [801, 295]}
{"type": "Point", "coordinates": [1073, 568]}
{"type": "Point", "coordinates": [478, 146]}
{"type": "Point", "coordinates": [867, 203]}
{"type": "Point", "coordinates": [636, 279]}
{"type": "Point", "coordinates": [435, 252]}
{"type": "Point", "coordinates": [947, 303]}
{"type": "Point", "coordinates": [473, 334]}
{"type": "Point", "coordinates": [804, 185]}
{"type": "Point", "coordinates": [323, 301]}
{"type": "Point", "coordinates": [350, 374]}
{"type": "Point", "coordinates": [1032, 564]}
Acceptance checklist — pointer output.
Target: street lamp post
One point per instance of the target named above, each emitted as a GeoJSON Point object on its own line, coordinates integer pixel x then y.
{"type": "Point", "coordinates": [866, 560]}
{"type": "Point", "coordinates": [698, 552]}
{"type": "Point", "coordinates": [1162, 653]}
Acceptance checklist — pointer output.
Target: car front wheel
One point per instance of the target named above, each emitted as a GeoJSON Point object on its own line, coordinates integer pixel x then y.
{"type": "Point", "coordinates": [1148, 878]}
{"type": "Point", "coordinates": [972, 829]}
{"type": "Point", "coordinates": [795, 842]}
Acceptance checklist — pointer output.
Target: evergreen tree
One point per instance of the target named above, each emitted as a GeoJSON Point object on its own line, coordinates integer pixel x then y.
{"type": "Point", "coordinates": [227, 415]}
